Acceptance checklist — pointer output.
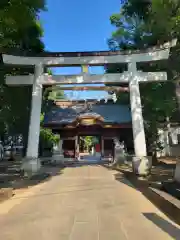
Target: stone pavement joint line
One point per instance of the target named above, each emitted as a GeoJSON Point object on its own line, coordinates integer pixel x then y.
{"type": "Point", "coordinates": [84, 203]}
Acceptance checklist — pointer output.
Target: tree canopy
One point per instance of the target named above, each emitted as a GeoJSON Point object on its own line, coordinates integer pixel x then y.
{"type": "Point", "coordinates": [18, 36]}
{"type": "Point", "coordinates": [19, 25]}
{"type": "Point", "coordinates": [142, 24]}
{"type": "Point", "coordinates": [20, 32]}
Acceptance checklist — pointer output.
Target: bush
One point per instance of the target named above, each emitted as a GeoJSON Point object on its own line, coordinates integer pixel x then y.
{"type": "Point", "coordinates": [47, 139]}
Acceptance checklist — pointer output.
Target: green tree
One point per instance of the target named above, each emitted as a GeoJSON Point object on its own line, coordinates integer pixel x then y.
{"type": "Point", "coordinates": [47, 138]}
{"type": "Point", "coordinates": [139, 25]}
{"type": "Point", "coordinates": [18, 36]}
{"type": "Point", "coordinates": [50, 95]}
{"type": "Point", "coordinates": [88, 142]}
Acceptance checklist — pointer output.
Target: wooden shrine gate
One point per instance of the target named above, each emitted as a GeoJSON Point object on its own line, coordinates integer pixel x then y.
{"type": "Point", "coordinates": [70, 138]}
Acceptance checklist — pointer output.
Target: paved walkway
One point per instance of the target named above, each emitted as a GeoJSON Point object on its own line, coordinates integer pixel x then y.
{"type": "Point", "coordinates": [84, 203]}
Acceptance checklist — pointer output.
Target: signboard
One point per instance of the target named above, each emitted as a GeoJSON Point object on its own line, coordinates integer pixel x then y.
{"type": "Point", "coordinates": [88, 121]}
{"type": "Point", "coordinates": [85, 68]}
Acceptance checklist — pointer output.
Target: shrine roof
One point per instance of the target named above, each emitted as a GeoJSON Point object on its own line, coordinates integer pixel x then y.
{"type": "Point", "coordinates": [111, 113]}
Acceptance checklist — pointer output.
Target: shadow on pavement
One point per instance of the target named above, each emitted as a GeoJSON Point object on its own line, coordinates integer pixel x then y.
{"type": "Point", "coordinates": [12, 178]}
{"type": "Point", "coordinates": [9, 173]}
{"type": "Point", "coordinates": [166, 226]}
{"type": "Point", "coordinates": [46, 173]}
{"type": "Point", "coordinates": [142, 185]}
{"type": "Point", "coordinates": [120, 177]}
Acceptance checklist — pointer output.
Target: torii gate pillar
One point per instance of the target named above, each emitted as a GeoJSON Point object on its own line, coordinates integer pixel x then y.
{"type": "Point", "coordinates": [31, 163]}
{"type": "Point", "coordinates": [141, 162]}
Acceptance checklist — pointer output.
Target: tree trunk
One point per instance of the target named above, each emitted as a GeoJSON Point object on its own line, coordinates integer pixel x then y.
{"type": "Point", "coordinates": [167, 137]}
{"type": "Point", "coordinates": [177, 170]}
{"type": "Point", "coordinates": [154, 158]}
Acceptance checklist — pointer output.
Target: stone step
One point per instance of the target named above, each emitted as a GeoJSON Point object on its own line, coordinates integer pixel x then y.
{"type": "Point", "coordinates": [167, 203]}
{"type": "Point", "coordinates": [172, 188]}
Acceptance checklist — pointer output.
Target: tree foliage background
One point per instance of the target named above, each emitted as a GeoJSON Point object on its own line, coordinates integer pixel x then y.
{"type": "Point", "coordinates": [139, 25]}
{"type": "Point", "coordinates": [20, 33]}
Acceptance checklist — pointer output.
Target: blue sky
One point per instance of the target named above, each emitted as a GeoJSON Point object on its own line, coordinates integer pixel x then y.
{"type": "Point", "coordinates": [77, 25]}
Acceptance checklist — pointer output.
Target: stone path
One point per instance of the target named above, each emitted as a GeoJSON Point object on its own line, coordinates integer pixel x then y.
{"type": "Point", "coordinates": [84, 203]}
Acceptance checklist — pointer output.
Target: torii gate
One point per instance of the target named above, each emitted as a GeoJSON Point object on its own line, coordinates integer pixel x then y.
{"type": "Point", "coordinates": [84, 59]}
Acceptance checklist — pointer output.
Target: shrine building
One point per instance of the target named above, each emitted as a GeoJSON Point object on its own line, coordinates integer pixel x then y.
{"type": "Point", "coordinates": [74, 119]}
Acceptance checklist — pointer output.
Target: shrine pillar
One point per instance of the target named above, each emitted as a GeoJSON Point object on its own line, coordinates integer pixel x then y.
{"type": "Point", "coordinates": [77, 147]}
{"type": "Point", "coordinates": [61, 146]}
{"type": "Point", "coordinates": [141, 163]}
{"type": "Point", "coordinates": [31, 163]}
{"type": "Point", "coordinates": [102, 146]}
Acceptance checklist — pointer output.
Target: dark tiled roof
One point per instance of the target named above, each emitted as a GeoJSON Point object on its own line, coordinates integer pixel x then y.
{"type": "Point", "coordinates": [111, 113]}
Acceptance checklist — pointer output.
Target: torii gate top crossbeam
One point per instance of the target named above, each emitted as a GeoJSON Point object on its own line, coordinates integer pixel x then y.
{"type": "Point", "coordinates": [92, 58]}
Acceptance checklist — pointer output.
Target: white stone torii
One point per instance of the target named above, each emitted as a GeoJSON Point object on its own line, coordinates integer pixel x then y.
{"type": "Point", "coordinates": [134, 77]}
